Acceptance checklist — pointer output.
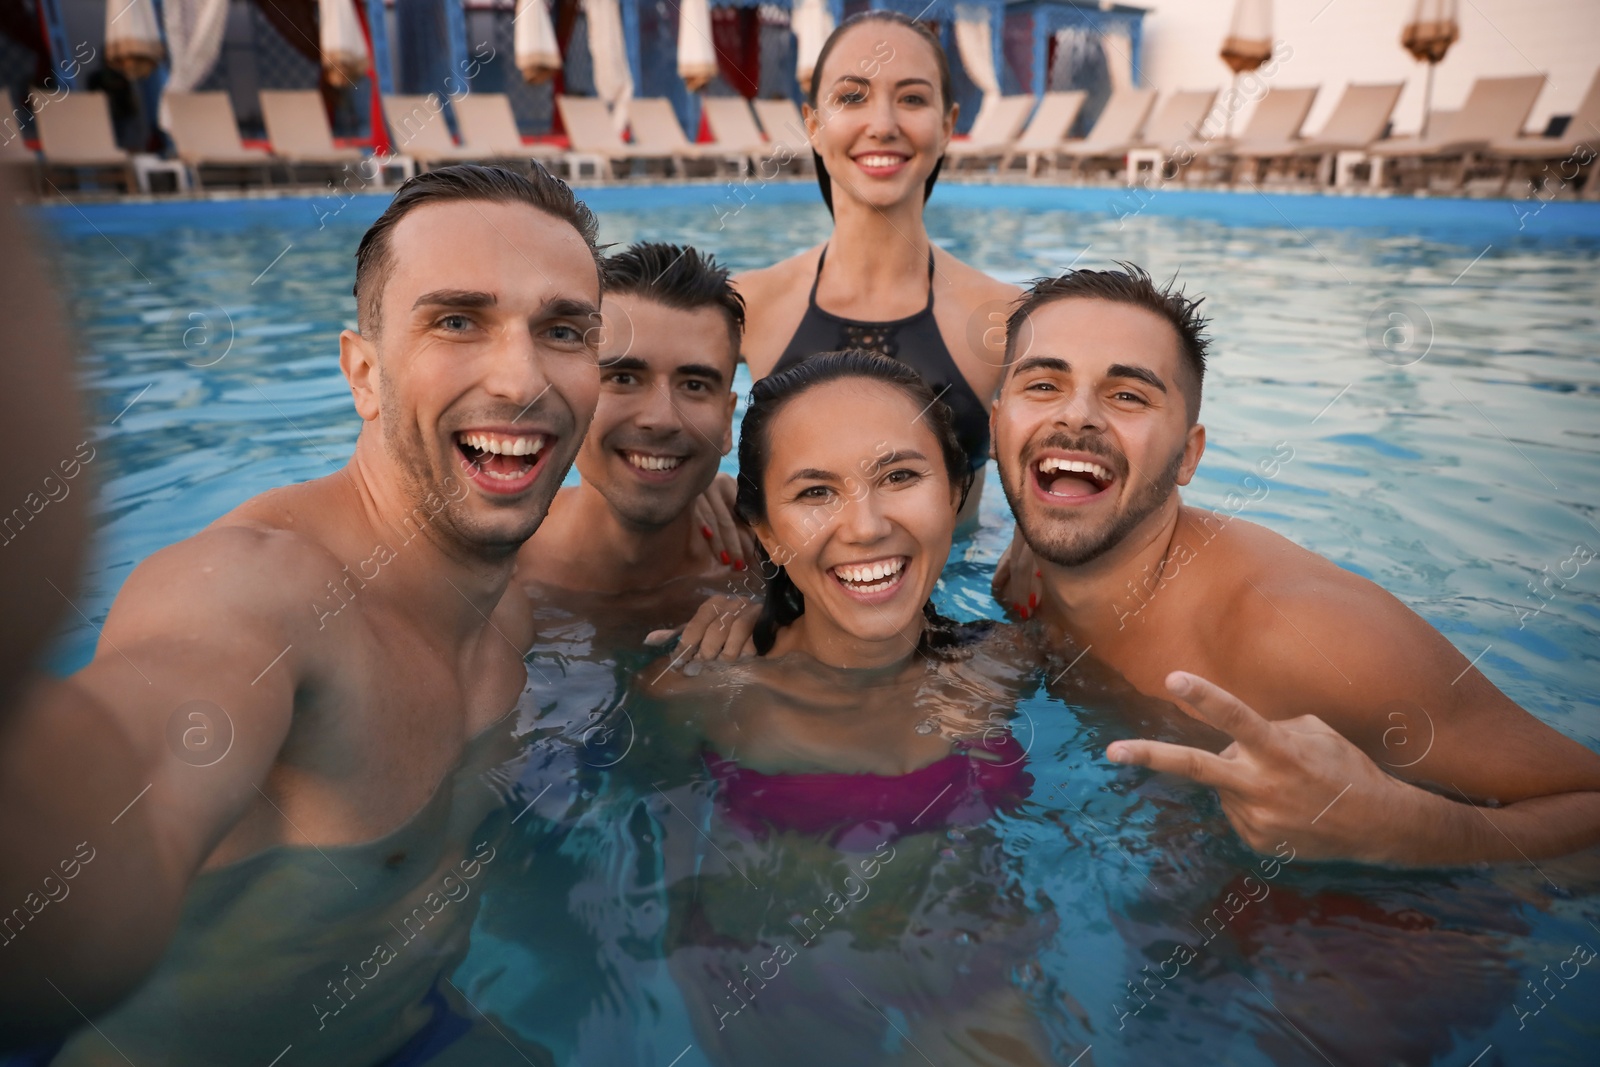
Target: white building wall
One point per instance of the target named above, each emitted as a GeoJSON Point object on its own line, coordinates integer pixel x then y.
{"type": "Point", "coordinates": [1338, 41]}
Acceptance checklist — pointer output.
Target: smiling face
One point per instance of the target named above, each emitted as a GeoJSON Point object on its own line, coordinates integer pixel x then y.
{"type": "Point", "coordinates": [880, 123]}
{"type": "Point", "coordinates": [860, 512]}
{"type": "Point", "coordinates": [1091, 432]}
{"type": "Point", "coordinates": [665, 415]}
{"type": "Point", "coordinates": [483, 378]}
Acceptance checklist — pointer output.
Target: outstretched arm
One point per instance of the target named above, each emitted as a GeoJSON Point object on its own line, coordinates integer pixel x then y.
{"type": "Point", "coordinates": [1337, 702]}
{"type": "Point", "coordinates": [116, 783]}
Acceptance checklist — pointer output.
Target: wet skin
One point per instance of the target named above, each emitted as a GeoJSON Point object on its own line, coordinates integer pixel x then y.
{"type": "Point", "coordinates": [1307, 667]}
{"type": "Point", "coordinates": [352, 628]}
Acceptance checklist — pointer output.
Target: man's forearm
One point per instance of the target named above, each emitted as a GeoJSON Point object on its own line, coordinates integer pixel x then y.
{"type": "Point", "coordinates": [1436, 830]}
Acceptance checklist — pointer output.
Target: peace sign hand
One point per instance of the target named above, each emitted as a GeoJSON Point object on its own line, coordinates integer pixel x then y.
{"type": "Point", "coordinates": [1297, 780]}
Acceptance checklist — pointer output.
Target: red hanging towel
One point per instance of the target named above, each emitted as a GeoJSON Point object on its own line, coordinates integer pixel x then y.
{"type": "Point", "coordinates": [736, 36]}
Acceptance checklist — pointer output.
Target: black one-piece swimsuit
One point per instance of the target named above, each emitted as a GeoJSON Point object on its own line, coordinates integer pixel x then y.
{"type": "Point", "coordinates": [914, 341]}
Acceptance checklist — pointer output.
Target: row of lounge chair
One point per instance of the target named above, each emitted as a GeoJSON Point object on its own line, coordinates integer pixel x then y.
{"type": "Point", "coordinates": [1182, 138]}
{"type": "Point", "coordinates": [75, 135]}
{"type": "Point", "coordinates": [1179, 140]}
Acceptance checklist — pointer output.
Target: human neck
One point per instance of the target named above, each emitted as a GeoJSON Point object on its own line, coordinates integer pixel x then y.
{"type": "Point", "coordinates": [401, 548]}
{"type": "Point", "coordinates": [829, 645]}
{"type": "Point", "coordinates": [617, 556]}
{"type": "Point", "coordinates": [877, 248]}
{"type": "Point", "coordinates": [1090, 598]}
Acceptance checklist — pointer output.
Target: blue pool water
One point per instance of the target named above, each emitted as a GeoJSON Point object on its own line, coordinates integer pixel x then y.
{"type": "Point", "coordinates": [1429, 363]}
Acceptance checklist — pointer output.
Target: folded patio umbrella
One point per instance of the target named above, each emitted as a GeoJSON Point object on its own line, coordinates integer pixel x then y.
{"type": "Point", "coordinates": [538, 52]}
{"type": "Point", "coordinates": [812, 22]}
{"type": "Point", "coordinates": [194, 30]}
{"type": "Point", "coordinates": [1428, 36]}
{"type": "Point", "coordinates": [613, 79]}
{"type": "Point", "coordinates": [697, 59]}
{"type": "Point", "coordinates": [133, 40]}
{"type": "Point", "coordinates": [344, 47]}
{"type": "Point", "coordinates": [1247, 46]}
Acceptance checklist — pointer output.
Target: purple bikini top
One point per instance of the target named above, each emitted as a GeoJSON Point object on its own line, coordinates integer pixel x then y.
{"type": "Point", "coordinates": [863, 810]}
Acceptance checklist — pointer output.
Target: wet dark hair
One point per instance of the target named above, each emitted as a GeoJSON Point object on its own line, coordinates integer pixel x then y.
{"type": "Point", "coordinates": [679, 277]}
{"type": "Point", "coordinates": [1130, 285]}
{"type": "Point", "coordinates": [537, 188]}
{"type": "Point", "coordinates": [824, 181]}
{"type": "Point", "coordinates": [784, 601]}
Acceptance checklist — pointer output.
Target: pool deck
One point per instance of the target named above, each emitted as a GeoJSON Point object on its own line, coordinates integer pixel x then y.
{"type": "Point", "coordinates": [1444, 218]}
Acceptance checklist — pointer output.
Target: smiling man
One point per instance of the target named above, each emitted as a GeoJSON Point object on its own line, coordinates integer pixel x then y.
{"type": "Point", "coordinates": [664, 421]}
{"type": "Point", "coordinates": [1309, 668]}
{"type": "Point", "coordinates": [295, 681]}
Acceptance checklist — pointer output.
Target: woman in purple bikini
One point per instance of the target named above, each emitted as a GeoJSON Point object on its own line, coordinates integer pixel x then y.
{"type": "Point", "coordinates": [839, 851]}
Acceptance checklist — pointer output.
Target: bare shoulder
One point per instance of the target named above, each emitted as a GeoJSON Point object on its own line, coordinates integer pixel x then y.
{"type": "Point", "coordinates": [1300, 634]}
{"type": "Point", "coordinates": [775, 300]}
{"type": "Point", "coordinates": [256, 569]}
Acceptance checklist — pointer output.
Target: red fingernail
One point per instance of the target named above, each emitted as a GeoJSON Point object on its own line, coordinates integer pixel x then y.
{"type": "Point", "coordinates": [1038, 574]}
{"type": "Point", "coordinates": [1033, 600]}
{"type": "Point", "coordinates": [1017, 608]}
{"type": "Point", "coordinates": [738, 564]}
{"type": "Point", "coordinates": [726, 558]}
{"type": "Point", "coordinates": [705, 531]}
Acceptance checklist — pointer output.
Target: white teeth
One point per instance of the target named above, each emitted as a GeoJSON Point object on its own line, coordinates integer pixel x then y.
{"type": "Point", "coordinates": [870, 572]}
{"type": "Point", "coordinates": [1050, 465]}
{"type": "Point", "coordinates": [652, 463]}
{"type": "Point", "coordinates": [878, 161]}
{"type": "Point", "coordinates": [503, 446]}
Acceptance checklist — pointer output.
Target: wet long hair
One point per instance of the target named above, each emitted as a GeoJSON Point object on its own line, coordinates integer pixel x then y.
{"type": "Point", "coordinates": [824, 181]}
{"type": "Point", "coordinates": [784, 602]}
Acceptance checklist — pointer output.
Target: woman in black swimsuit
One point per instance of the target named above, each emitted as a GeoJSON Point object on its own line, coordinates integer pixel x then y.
{"type": "Point", "coordinates": [879, 115]}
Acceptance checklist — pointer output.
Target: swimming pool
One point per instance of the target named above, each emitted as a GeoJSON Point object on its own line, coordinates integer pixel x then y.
{"type": "Point", "coordinates": [1429, 364]}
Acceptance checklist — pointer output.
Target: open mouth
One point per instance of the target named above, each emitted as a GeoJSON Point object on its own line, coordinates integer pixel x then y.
{"type": "Point", "coordinates": [651, 466]}
{"type": "Point", "coordinates": [501, 463]}
{"type": "Point", "coordinates": [873, 580]}
{"type": "Point", "coordinates": [1074, 481]}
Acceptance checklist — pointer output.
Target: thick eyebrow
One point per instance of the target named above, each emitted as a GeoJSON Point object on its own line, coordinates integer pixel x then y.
{"type": "Point", "coordinates": [898, 457]}
{"type": "Point", "coordinates": [858, 79]}
{"type": "Point", "coordinates": [1116, 370]}
{"type": "Point", "coordinates": [700, 370]}
{"type": "Point", "coordinates": [691, 370]}
{"type": "Point", "coordinates": [1138, 374]}
{"type": "Point", "coordinates": [455, 298]}
{"type": "Point", "coordinates": [567, 307]}
{"type": "Point", "coordinates": [559, 308]}
{"type": "Point", "coordinates": [1043, 363]}
{"type": "Point", "coordinates": [811, 474]}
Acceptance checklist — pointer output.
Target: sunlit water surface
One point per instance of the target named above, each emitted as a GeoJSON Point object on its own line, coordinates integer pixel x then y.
{"type": "Point", "coordinates": [1458, 480]}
